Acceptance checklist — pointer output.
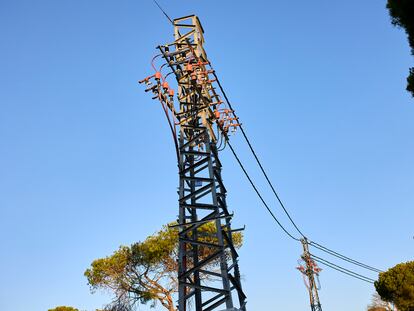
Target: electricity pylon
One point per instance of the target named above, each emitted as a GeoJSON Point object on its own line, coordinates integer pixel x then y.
{"type": "Point", "coordinates": [204, 124]}
{"type": "Point", "coordinates": [309, 270]}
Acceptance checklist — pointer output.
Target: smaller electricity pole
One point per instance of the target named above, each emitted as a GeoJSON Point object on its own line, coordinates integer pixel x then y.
{"type": "Point", "coordinates": [309, 269]}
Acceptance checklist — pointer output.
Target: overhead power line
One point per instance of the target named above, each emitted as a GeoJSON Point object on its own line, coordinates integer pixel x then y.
{"type": "Point", "coordinates": [162, 10]}
{"type": "Point", "coordinates": [258, 193]}
{"type": "Point", "coordinates": [343, 257]}
{"type": "Point", "coordinates": [316, 258]}
{"type": "Point", "coordinates": [319, 246]}
{"type": "Point", "coordinates": [314, 244]}
{"type": "Point", "coordinates": [257, 159]}
{"type": "Point", "coordinates": [342, 269]}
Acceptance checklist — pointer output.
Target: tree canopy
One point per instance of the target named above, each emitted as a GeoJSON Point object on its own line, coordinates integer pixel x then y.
{"type": "Point", "coordinates": [402, 15]}
{"type": "Point", "coordinates": [397, 286]}
{"type": "Point", "coordinates": [146, 272]}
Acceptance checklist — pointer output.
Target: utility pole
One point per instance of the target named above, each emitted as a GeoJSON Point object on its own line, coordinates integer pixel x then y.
{"type": "Point", "coordinates": [200, 124]}
{"type": "Point", "coordinates": [309, 270]}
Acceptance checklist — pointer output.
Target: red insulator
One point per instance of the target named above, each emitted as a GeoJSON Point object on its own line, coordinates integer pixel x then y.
{"type": "Point", "coordinates": [171, 92]}
{"type": "Point", "coordinates": [158, 75]}
{"type": "Point", "coordinates": [189, 67]}
{"type": "Point", "coordinates": [165, 85]}
{"type": "Point", "coordinates": [217, 114]}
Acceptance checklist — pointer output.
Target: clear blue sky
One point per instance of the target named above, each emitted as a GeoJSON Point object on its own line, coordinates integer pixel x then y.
{"type": "Point", "coordinates": [87, 164]}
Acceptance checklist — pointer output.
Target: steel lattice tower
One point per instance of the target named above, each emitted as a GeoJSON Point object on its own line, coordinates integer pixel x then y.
{"type": "Point", "coordinates": [205, 282]}
{"type": "Point", "coordinates": [309, 270]}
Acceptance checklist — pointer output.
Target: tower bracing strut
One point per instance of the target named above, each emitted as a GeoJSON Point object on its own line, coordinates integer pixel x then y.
{"type": "Point", "coordinates": [208, 270]}
{"type": "Point", "coordinates": [310, 272]}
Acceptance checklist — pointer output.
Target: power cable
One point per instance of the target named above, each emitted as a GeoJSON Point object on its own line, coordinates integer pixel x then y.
{"type": "Point", "coordinates": [344, 272]}
{"type": "Point", "coordinates": [166, 15]}
{"type": "Point", "coordinates": [258, 193]}
{"type": "Point", "coordinates": [342, 269]}
{"type": "Point", "coordinates": [320, 247]}
{"type": "Point", "coordinates": [316, 258]}
{"type": "Point", "coordinates": [257, 159]}
{"type": "Point", "coordinates": [343, 257]}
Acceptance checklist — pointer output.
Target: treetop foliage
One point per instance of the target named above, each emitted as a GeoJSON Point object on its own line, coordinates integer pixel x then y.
{"type": "Point", "coordinates": [401, 12]}
{"type": "Point", "coordinates": [397, 286]}
{"type": "Point", "coordinates": [147, 271]}
{"type": "Point", "coordinates": [402, 15]}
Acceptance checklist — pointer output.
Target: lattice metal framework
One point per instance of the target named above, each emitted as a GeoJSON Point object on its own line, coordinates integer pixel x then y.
{"type": "Point", "coordinates": [310, 272]}
{"type": "Point", "coordinates": [204, 123]}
